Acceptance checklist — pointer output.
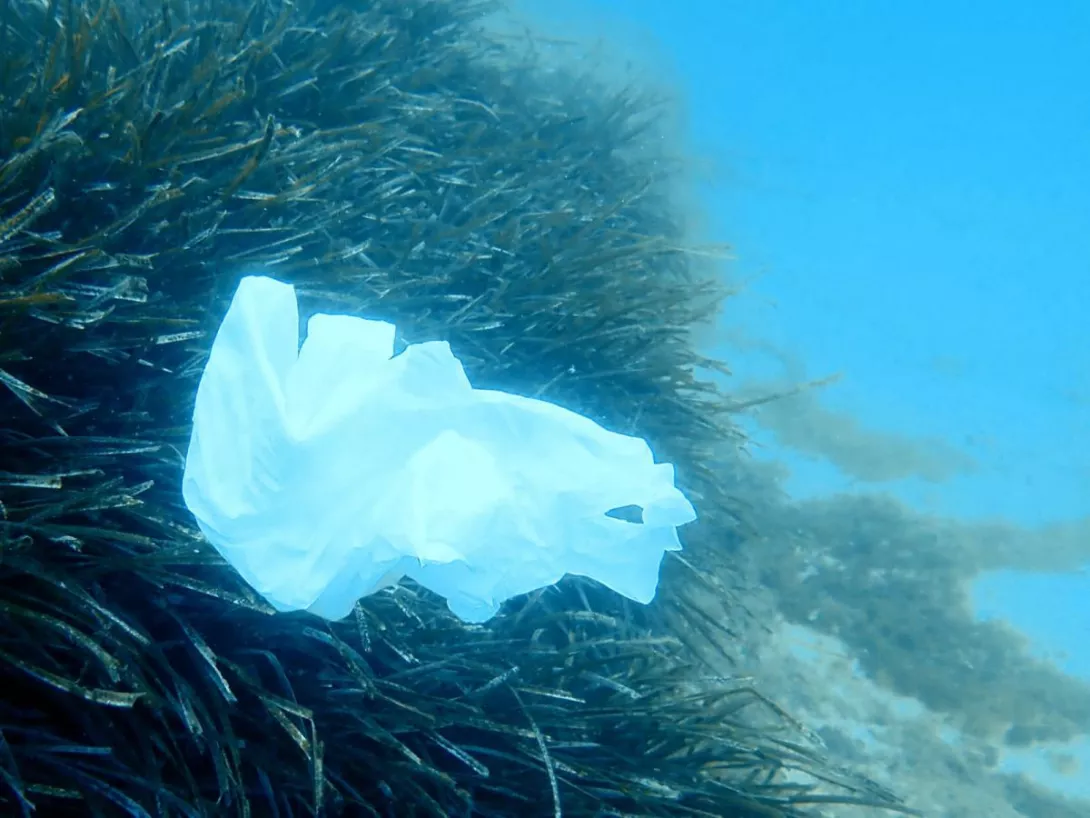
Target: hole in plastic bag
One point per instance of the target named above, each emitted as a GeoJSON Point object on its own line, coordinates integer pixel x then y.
{"type": "Point", "coordinates": [627, 514]}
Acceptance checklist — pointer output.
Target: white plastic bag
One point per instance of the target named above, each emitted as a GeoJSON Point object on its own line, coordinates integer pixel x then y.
{"type": "Point", "coordinates": [326, 473]}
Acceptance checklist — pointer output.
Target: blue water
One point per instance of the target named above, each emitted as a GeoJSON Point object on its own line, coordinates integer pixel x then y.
{"type": "Point", "coordinates": [906, 187]}
{"type": "Point", "coordinates": [1051, 609]}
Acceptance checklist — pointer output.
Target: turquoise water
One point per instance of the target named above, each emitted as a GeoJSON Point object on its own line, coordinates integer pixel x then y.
{"type": "Point", "coordinates": [906, 188]}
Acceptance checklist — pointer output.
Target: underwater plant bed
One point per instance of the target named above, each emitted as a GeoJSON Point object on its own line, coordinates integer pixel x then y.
{"type": "Point", "coordinates": [387, 158]}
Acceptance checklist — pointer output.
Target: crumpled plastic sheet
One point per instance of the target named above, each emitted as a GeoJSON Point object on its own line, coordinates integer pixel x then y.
{"type": "Point", "coordinates": [326, 472]}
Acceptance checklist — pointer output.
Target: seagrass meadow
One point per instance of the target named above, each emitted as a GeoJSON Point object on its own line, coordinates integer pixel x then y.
{"type": "Point", "coordinates": [390, 159]}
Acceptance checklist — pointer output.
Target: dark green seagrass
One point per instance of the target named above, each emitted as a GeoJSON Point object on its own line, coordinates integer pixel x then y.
{"type": "Point", "coordinates": [390, 159]}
